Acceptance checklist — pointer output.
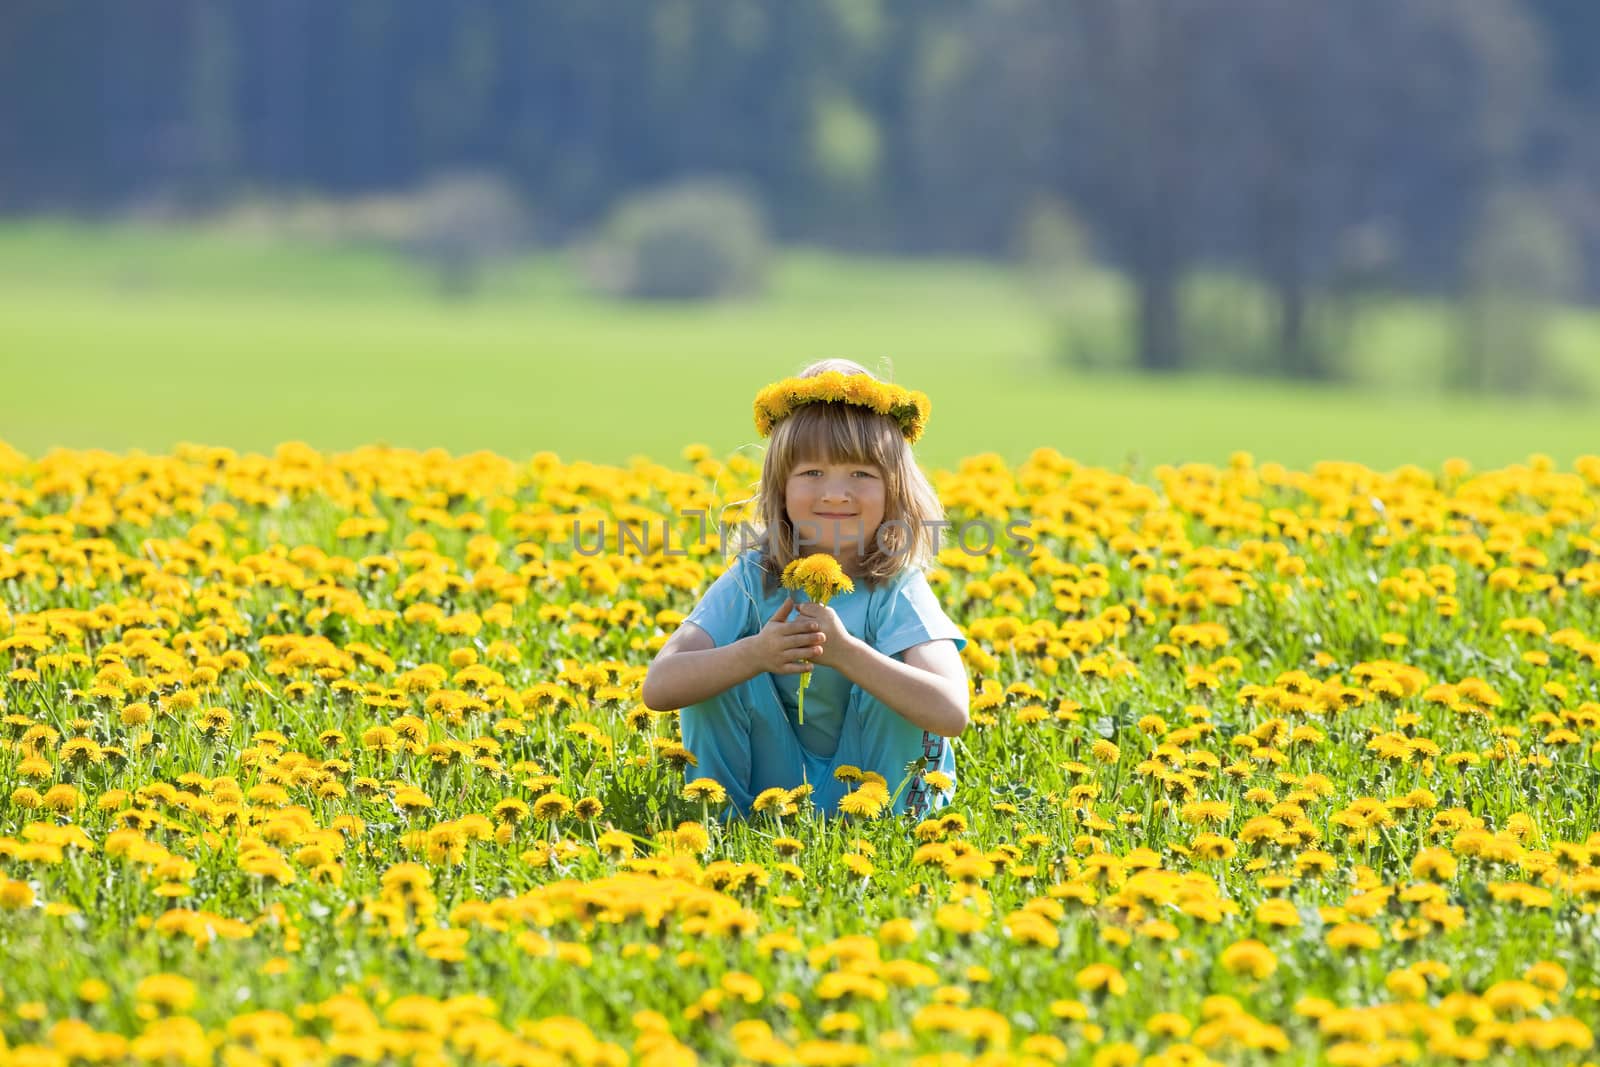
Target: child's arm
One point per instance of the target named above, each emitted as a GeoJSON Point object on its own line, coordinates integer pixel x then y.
{"type": "Point", "coordinates": [928, 689]}
{"type": "Point", "coordinates": [691, 668]}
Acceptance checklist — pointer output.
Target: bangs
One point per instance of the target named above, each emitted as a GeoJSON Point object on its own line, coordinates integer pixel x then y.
{"type": "Point", "coordinates": [836, 433]}
{"type": "Point", "coordinates": [846, 434]}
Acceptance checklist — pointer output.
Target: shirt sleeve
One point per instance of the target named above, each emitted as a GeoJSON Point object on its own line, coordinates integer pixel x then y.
{"type": "Point", "coordinates": [724, 611]}
{"type": "Point", "coordinates": [913, 617]}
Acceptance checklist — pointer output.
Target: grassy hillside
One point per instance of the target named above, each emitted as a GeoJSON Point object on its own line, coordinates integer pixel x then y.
{"type": "Point", "coordinates": [139, 339]}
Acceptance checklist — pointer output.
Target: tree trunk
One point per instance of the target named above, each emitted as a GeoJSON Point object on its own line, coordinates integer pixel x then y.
{"type": "Point", "coordinates": [1299, 358]}
{"type": "Point", "coordinates": [1160, 341]}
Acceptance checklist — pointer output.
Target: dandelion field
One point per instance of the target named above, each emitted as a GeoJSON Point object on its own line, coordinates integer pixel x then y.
{"type": "Point", "coordinates": [314, 757]}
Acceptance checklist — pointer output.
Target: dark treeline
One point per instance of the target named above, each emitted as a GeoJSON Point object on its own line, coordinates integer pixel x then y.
{"type": "Point", "coordinates": [1321, 147]}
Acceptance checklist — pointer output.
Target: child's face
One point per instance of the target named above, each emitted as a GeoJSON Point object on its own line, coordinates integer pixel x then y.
{"type": "Point", "coordinates": [835, 507]}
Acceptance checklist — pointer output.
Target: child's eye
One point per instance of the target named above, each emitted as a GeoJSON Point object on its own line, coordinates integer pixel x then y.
{"type": "Point", "coordinates": [868, 474]}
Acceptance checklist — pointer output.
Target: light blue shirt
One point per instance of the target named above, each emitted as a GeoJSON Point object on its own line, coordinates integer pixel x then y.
{"type": "Point", "coordinates": [893, 617]}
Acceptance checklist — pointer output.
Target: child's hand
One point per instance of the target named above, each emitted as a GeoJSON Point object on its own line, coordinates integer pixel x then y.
{"type": "Point", "coordinates": [835, 638]}
{"type": "Point", "coordinates": [785, 641]}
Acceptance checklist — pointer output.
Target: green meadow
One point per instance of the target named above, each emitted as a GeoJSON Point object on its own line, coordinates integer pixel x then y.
{"type": "Point", "coordinates": [139, 338]}
{"type": "Point", "coordinates": [1255, 771]}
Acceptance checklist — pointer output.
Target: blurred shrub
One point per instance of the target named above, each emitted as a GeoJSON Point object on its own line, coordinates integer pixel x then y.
{"type": "Point", "coordinates": [1228, 322]}
{"type": "Point", "coordinates": [1520, 263]}
{"type": "Point", "coordinates": [457, 223]}
{"type": "Point", "coordinates": [1084, 302]}
{"type": "Point", "coordinates": [702, 239]}
{"type": "Point", "coordinates": [1053, 245]}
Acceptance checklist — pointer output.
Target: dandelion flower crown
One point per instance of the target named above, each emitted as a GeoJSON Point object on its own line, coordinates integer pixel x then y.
{"type": "Point", "coordinates": [908, 407]}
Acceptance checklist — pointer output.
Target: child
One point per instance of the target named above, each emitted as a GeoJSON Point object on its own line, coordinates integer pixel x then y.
{"type": "Point", "coordinates": [888, 685]}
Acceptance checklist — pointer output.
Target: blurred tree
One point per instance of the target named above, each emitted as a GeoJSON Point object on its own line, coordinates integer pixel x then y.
{"type": "Point", "coordinates": [845, 143]}
{"type": "Point", "coordinates": [1565, 156]}
{"type": "Point", "coordinates": [1520, 262]}
{"type": "Point", "coordinates": [1242, 133]}
{"type": "Point", "coordinates": [1253, 136]}
{"type": "Point", "coordinates": [1095, 101]}
{"type": "Point", "coordinates": [1346, 116]}
{"type": "Point", "coordinates": [1142, 57]}
{"type": "Point", "coordinates": [210, 143]}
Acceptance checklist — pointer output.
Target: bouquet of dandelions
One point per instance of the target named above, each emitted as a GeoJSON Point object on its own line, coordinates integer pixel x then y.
{"type": "Point", "coordinates": [819, 577]}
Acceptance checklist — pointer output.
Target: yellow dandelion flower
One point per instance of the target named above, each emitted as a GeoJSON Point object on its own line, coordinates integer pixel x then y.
{"type": "Point", "coordinates": [1513, 996]}
{"type": "Point", "coordinates": [858, 865]}
{"type": "Point", "coordinates": [1249, 957]}
{"type": "Point", "coordinates": [1547, 975]}
{"type": "Point", "coordinates": [868, 801]}
{"type": "Point", "coordinates": [706, 791]}
{"type": "Point", "coordinates": [1070, 1010]}
{"type": "Point", "coordinates": [1353, 937]}
{"type": "Point", "coordinates": [92, 991]}
{"type": "Point", "coordinates": [773, 799]}
{"type": "Point", "coordinates": [615, 843]}
{"type": "Point", "coordinates": [1406, 984]}
{"type": "Point", "coordinates": [1101, 977]}
{"type": "Point", "coordinates": [819, 576]}
{"type": "Point", "coordinates": [1434, 864]}
{"type": "Point", "coordinates": [15, 895]}
{"type": "Point", "coordinates": [510, 810]}
{"type": "Point", "coordinates": [958, 920]}
{"type": "Point", "coordinates": [169, 992]}
{"type": "Point", "coordinates": [1277, 912]}
{"type": "Point", "coordinates": [552, 806]}
{"type": "Point", "coordinates": [1168, 1024]}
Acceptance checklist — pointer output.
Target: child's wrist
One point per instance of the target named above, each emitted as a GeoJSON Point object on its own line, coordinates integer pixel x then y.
{"type": "Point", "coordinates": [749, 661]}
{"type": "Point", "coordinates": [853, 652]}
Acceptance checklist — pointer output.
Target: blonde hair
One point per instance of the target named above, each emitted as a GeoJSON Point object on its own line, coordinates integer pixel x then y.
{"type": "Point", "coordinates": [849, 433]}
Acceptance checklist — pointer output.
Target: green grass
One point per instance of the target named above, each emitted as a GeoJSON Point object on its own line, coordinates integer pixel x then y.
{"type": "Point", "coordinates": [138, 338]}
{"type": "Point", "coordinates": [205, 804]}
